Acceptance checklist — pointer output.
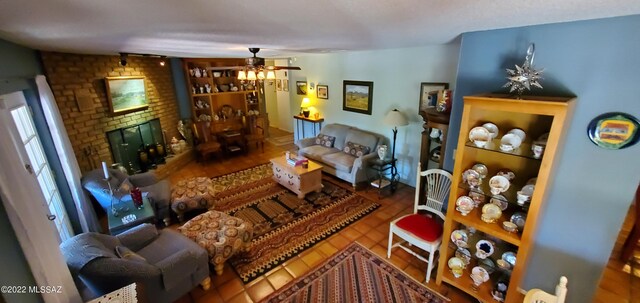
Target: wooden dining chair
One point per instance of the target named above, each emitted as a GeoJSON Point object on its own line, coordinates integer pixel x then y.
{"type": "Point", "coordinates": [423, 230]}
{"type": "Point", "coordinates": [206, 141]}
{"type": "Point", "coordinates": [255, 131]}
{"type": "Point", "coordinates": [632, 240]}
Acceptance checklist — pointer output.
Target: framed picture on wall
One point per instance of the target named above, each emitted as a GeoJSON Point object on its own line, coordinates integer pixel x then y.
{"type": "Point", "coordinates": [278, 84]}
{"type": "Point", "coordinates": [357, 96]}
{"type": "Point", "coordinates": [126, 94]}
{"type": "Point", "coordinates": [285, 85]}
{"type": "Point", "coordinates": [301, 87]}
{"type": "Point", "coordinates": [322, 91]}
{"type": "Point", "coordinates": [429, 94]}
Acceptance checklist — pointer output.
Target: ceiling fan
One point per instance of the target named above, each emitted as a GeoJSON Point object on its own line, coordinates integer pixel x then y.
{"type": "Point", "coordinates": [254, 63]}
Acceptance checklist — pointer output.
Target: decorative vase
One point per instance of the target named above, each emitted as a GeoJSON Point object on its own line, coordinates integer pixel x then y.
{"type": "Point", "coordinates": [382, 151]}
{"type": "Point", "coordinates": [306, 113]}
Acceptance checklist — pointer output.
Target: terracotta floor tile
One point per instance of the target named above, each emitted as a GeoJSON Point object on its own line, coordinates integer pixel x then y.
{"type": "Point", "coordinates": [366, 242]}
{"type": "Point", "coordinates": [279, 278]}
{"type": "Point", "coordinates": [351, 233]}
{"type": "Point", "coordinates": [228, 274]}
{"type": "Point", "coordinates": [312, 258]}
{"type": "Point", "coordinates": [260, 290]}
{"type": "Point", "coordinates": [339, 241]}
{"type": "Point", "coordinates": [379, 250]}
{"type": "Point", "coordinates": [241, 298]}
{"type": "Point", "coordinates": [375, 235]}
{"type": "Point", "coordinates": [297, 268]}
{"type": "Point", "coordinates": [230, 289]}
{"type": "Point", "coordinates": [212, 296]}
{"type": "Point", "coordinates": [327, 249]}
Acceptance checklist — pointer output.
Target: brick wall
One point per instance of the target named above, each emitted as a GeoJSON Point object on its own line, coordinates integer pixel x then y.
{"type": "Point", "coordinates": [75, 76]}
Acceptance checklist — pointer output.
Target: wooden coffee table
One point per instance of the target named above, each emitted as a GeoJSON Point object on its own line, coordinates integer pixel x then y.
{"type": "Point", "coordinates": [146, 214]}
{"type": "Point", "coordinates": [296, 178]}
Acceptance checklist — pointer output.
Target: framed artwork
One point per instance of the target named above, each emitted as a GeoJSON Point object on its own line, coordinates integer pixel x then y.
{"type": "Point", "coordinates": [429, 94]}
{"type": "Point", "coordinates": [357, 96]}
{"type": "Point", "coordinates": [278, 84]}
{"type": "Point", "coordinates": [285, 85]}
{"type": "Point", "coordinates": [322, 91]}
{"type": "Point", "coordinates": [614, 130]}
{"type": "Point", "coordinates": [301, 87]}
{"type": "Point", "coordinates": [126, 94]}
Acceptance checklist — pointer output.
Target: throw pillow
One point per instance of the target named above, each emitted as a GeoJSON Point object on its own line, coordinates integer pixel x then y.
{"type": "Point", "coordinates": [125, 253]}
{"type": "Point", "coordinates": [324, 140]}
{"type": "Point", "coordinates": [355, 149]}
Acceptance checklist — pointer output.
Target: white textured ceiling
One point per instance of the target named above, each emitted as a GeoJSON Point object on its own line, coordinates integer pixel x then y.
{"type": "Point", "coordinates": [210, 28]}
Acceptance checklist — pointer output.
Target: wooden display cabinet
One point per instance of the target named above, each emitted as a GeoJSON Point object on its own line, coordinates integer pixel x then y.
{"type": "Point", "coordinates": [248, 97]}
{"type": "Point", "coordinates": [536, 116]}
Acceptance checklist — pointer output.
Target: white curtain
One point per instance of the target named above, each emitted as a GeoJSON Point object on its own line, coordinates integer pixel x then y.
{"type": "Point", "coordinates": [86, 213]}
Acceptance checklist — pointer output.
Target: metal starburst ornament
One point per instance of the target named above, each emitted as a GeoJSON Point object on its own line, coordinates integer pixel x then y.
{"type": "Point", "coordinates": [526, 76]}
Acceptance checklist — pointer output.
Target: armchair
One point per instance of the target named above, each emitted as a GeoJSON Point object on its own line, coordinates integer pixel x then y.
{"type": "Point", "coordinates": [159, 191]}
{"type": "Point", "coordinates": [167, 264]}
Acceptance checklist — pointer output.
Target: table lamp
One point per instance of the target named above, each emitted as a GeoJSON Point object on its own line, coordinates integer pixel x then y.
{"type": "Point", "coordinates": [395, 118]}
{"type": "Point", "coordinates": [305, 107]}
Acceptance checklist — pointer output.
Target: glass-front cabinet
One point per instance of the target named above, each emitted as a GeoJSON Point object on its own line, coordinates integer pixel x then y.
{"type": "Point", "coordinates": [505, 158]}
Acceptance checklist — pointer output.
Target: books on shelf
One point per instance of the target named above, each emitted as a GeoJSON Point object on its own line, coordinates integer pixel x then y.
{"type": "Point", "coordinates": [380, 183]}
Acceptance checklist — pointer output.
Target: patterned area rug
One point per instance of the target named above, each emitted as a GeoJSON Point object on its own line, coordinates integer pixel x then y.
{"type": "Point", "coordinates": [282, 140]}
{"type": "Point", "coordinates": [355, 274]}
{"type": "Point", "coordinates": [284, 225]}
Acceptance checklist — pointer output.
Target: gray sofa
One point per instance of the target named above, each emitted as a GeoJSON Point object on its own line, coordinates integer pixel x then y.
{"type": "Point", "coordinates": [172, 264]}
{"type": "Point", "coordinates": [337, 162]}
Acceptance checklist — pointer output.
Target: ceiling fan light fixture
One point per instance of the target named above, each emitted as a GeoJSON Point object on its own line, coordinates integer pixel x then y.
{"type": "Point", "coordinates": [242, 75]}
{"type": "Point", "coordinates": [260, 75]}
{"type": "Point", "coordinates": [271, 75]}
{"type": "Point", "coordinates": [251, 75]}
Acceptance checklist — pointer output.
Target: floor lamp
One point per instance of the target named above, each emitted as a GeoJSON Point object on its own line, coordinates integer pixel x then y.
{"type": "Point", "coordinates": [395, 118]}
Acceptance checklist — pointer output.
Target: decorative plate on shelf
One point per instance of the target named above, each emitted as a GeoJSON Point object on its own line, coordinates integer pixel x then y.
{"type": "Point", "coordinates": [484, 249]}
{"type": "Point", "coordinates": [460, 238]}
{"type": "Point", "coordinates": [227, 111]}
{"type": "Point", "coordinates": [510, 257]}
{"type": "Point", "coordinates": [464, 255]}
{"type": "Point", "coordinates": [518, 219]}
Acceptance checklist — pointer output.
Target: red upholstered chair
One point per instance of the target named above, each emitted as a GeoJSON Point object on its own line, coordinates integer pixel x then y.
{"type": "Point", "coordinates": [423, 228]}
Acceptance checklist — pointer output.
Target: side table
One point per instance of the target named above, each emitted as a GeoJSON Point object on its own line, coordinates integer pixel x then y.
{"type": "Point", "coordinates": [146, 214]}
{"type": "Point", "coordinates": [387, 174]}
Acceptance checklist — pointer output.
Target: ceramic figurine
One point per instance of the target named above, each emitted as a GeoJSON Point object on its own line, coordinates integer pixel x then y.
{"type": "Point", "coordinates": [208, 88]}
{"type": "Point", "coordinates": [197, 73]}
{"type": "Point", "coordinates": [201, 89]}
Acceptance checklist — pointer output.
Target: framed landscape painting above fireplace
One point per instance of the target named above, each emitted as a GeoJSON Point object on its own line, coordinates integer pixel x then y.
{"type": "Point", "coordinates": [126, 94]}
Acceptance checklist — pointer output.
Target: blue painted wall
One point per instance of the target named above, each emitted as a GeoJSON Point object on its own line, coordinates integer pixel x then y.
{"type": "Point", "coordinates": [598, 62]}
{"type": "Point", "coordinates": [180, 85]}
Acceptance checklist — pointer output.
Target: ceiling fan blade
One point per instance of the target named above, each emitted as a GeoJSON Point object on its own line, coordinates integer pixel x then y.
{"type": "Point", "coordinates": [285, 67]}
{"type": "Point", "coordinates": [226, 68]}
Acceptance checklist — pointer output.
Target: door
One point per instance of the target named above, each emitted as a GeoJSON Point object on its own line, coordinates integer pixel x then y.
{"type": "Point", "coordinates": [32, 200]}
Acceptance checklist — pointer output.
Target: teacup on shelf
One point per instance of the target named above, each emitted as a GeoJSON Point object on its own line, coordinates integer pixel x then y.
{"type": "Point", "coordinates": [480, 136]}
{"type": "Point", "coordinates": [464, 205]}
{"type": "Point", "coordinates": [507, 174]}
{"type": "Point", "coordinates": [492, 128]}
{"type": "Point", "coordinates": [499, 184]}
{"type": "Point", "coordinates": [472, 178]}
{"type": "Point", "coordinates": [456, 265]}
{"type": "Point", "coordinates": [510, 142]}
{"type": "Point", "coordinates": [510, 226]}
{"type": "Point", "coordinates": [538, 150]}
{"type": "Point", "coordinates": [522, 197]}
{"type": "Point", "coordinates": [518, 132]}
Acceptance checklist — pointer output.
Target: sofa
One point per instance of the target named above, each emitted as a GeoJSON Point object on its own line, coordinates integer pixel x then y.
{"type": "Point", "coordinates": [347, 155]}
{"type": "Point", "coordinates": [159, 191]}
{"type": "Point", "coordinates": [166, 264]}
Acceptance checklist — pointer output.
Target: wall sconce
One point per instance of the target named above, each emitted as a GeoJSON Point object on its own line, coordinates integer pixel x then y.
{"type": "Point", "coordinates": [162, 60]}
{"type": "Point", "coordinates": [123, 59]}
{"type": "Point", "coordinates": [312, 85]}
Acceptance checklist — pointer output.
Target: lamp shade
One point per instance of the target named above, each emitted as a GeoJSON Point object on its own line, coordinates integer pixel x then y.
{"type": "Point", "coordinates": [395, 118]}
{"type": "Point", "coordinates": [242, 75]}
{"type": "Point", "coordinates": [260, 75]}
{"type": "Point", "coordinates": [251, 75]}
{"type": "Point", "coordinates": [305, 102]}
{"type": "Point", "coordinates": [271, 75]}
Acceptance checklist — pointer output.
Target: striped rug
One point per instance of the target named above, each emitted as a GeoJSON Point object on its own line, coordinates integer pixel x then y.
{"type": "Point", "coordinates": [355, 274]}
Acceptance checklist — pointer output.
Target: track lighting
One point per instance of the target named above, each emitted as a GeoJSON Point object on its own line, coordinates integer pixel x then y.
{"type": "Point", "coordinates": [124, 56]}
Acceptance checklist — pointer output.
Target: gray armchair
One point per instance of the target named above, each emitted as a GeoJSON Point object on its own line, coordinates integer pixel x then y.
{"type": "Point", "coordinates": [167, 264]}
{"type": "Point", "coordinates": [159, 191]}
